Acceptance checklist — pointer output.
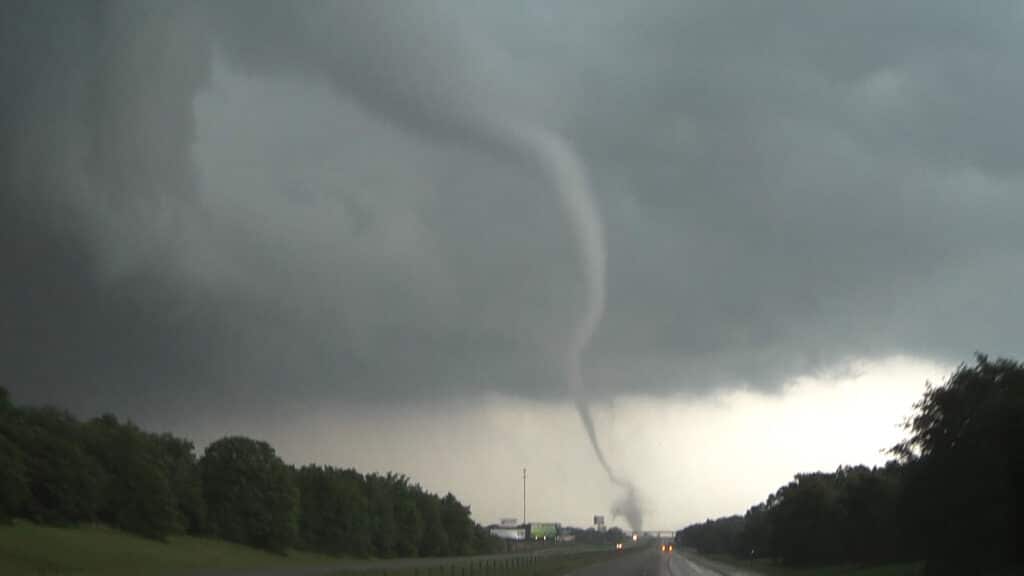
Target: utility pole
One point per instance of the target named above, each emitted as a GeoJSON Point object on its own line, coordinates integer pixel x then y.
{"type": "Point", "coordinates": [524, 497]}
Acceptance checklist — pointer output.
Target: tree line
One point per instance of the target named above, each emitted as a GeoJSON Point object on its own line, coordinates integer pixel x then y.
{"type": "Point", "coordinates": [55, 469]}
{"type": "Point", "coordinates": [953, 496]}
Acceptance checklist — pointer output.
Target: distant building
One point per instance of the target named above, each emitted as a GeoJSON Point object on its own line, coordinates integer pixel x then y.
{"type": "Point", "coordinates": [509, 522]}
{"type": "Point", "coordinates": [509, 533]}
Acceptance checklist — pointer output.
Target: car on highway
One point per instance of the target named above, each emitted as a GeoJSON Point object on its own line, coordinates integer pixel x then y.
{"type": "Point", "coordinates": [666, 547]}
{"type": "Point", "coordinates": [618, 547]}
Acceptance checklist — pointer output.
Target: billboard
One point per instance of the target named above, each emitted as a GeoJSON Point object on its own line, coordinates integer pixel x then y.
{"type": "Point", "coordinates": [599, 521]}
{"type": "Point", "coordinates": [543, 530]}
{"type": "Point", "coordinates": [509, 522]}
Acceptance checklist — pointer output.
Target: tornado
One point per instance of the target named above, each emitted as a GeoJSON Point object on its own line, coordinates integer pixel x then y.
{"type": "Point", "coordinates": [562, 167]}
{"type": "Point", "coordinates": [565, 170]}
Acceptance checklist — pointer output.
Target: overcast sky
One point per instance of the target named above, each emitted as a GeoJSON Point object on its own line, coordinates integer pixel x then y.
{"type": "Point", "coordinates": [279, 219]}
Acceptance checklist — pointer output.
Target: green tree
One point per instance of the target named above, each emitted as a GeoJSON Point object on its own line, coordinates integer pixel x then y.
{"type": "Point", "coordinates": [13, 476]}
{"type": "Point", "coordinates": [721, 536]}
{"type": "Point", "coordinates": [806, 514]}
{"type": "Point", "coordinates": [6, 407]}
{"type": "Point", "coordinates": [55, 469]}
{"type": "Point", "coordinates": [383, 529]}
{"type": "Point", "coordinates": [435, 540]}
{"type": "Point", "coordinates": [13, 480]}
{"type": "Point", "coordinates": [874, 524]}
{"type": "Point", "coordinates": [966, 457]}
{"type": "Point", "coordinates": [333, 511]}
{"type": "Point", "coordinates": [756, 537]}
{"type": "Point", "coordinates": [410, 526]}
{"type": "Point", "coordinates": [457, 525]}
{"type": "Point", "coordinates": [64, 482]}
{"type": "Point", "coordinates": [135, 495]}
{"type": "Point", "coordinates": [954, 496]}
{"type": "Point", "coordinates": [249, 493]}
{"type": "Point", "coordinates": [178, 460]}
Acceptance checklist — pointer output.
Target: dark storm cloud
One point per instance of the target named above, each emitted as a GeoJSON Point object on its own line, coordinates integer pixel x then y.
{"type": "Point", "coordinates": [204, 208]}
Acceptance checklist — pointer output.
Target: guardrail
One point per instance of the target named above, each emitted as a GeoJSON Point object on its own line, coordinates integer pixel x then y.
{"type": "Point", "coordinates": [545, 563]}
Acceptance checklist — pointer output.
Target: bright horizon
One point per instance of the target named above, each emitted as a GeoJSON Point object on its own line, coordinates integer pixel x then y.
{"type": "Point", "coordinates": [691, 459]}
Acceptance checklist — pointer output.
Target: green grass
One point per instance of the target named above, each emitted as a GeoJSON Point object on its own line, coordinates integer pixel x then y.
{"type": "Point", "coordinates": [769, 568]}
{"type": "Point", "coordinates": [35, 550]}
{"type": "Point", "coordinates": [32, 549]}
{"type": "Point", "coordinates": [540, 565]}
{"type": "Point", "coordinates": [564, 564]}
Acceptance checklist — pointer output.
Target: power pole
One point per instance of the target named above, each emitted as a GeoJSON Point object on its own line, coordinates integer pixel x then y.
{"type": "Point", "coordinates": [524, 496]}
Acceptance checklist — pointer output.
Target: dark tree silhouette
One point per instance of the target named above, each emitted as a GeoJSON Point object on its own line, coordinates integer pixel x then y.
{"type": "Point", "coordinates": [966, 451]}
{"type": "Point", "coordinates": [249, 493]}
{"type": "Point", "coordinates": [55, 469]}
{"type": "Point", "coordinates": [954, 497]}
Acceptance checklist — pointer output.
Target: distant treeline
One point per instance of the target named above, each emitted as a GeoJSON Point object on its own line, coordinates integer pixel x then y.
{"type": "Point", "coordinates": [55, 469]}
{"type": "Point", "coordinates": [953, 496]}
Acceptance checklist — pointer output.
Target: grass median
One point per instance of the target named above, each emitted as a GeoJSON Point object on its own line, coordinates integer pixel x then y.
{"type": "Point", "coordinates": [28, 549]}
{"type": "Point", "coordinates": [557, 564]}
{"type": "Point", "coordinates": [34, 550]}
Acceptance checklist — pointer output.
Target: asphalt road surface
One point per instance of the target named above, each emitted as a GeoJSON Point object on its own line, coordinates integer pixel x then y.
{"type": "Point", "coordinates": [653, 562]}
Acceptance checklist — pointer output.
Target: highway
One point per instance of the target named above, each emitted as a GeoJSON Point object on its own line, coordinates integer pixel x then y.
{"type": "Point", "coordinates": [401, 566]}
{"type": "Point", "coordinates": [653, 562]}
{"type": "Point", "coordinates": [646, 562]}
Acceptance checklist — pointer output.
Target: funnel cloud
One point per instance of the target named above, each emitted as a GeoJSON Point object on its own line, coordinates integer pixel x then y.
{"type": "Point", "coordinates": [566, 170]}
